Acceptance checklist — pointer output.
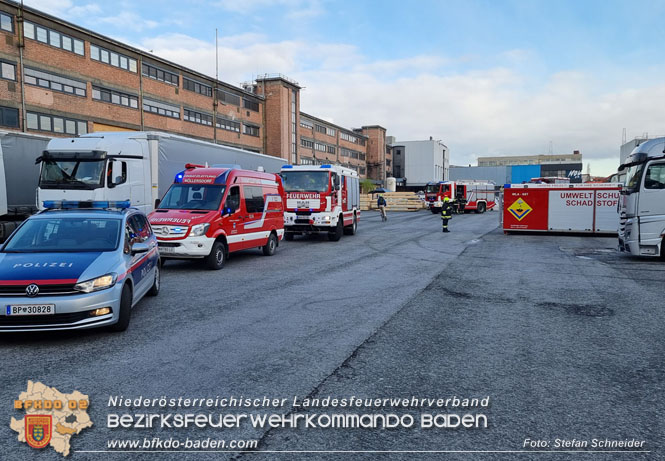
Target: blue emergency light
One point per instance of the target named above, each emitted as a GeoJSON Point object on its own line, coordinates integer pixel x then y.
{"type": "Point", "coordinates": [287, 166]}
{"type": "Point", "coordinates": [76, 204]}
{"type": "Point", "coordinates": [326, 166]}
{"type": "Point", "coordinates": [178, 177]}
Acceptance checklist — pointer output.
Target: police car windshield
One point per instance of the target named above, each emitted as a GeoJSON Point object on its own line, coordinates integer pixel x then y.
{"type": "Point", "coordinates": [192, 197]}
{"type": "Point", "coordinates": [72, 174]}
{"type": "Point", "coordinates": [60, 233]}
{"type": "Point", "coordinates": [309, 181]}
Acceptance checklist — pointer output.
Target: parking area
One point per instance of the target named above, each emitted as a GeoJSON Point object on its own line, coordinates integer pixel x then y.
{"type": "Point", "coordinates": [562, 333]}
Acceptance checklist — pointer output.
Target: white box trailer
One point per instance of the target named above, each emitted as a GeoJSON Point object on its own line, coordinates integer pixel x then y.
{"type": "Point", "coordinates": [135, 166]}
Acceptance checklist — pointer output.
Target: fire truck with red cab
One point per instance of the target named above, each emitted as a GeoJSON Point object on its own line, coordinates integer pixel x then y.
{"type": "Point", "coordinates": [210, 212]}
{"type": "Point", "coordinates": [321, 198]}
{"type": "Point", "coordinates": [478, 196]}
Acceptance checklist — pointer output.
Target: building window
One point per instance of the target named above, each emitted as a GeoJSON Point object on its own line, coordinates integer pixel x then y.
{"type": "Point", "coordinates": [228, 125]}
{"type": "Point", "coordinates": [112, 58]}
{"type": "Point", "coordinates": [307, 161]}
{"type": "Point", "coordinates": [228, 98]}
{"type": "Point", "coordinates": [251, 105]}
{"type": "Point", "coordinates": [197, 87]}
{"type": "Point", "coordinates": [6, 22]}
{"type": "Point", "coordinates": [332, 150]}
{"type": "Point", "coordinates": [361, 156]}
{"type": "Point", "coordinates": [55, 124]}
{"type": "Point", "coordinates": [8, 70]}
{"type": "Point", "coordinates": [53, 38]}
{"type": "Point", "coordinates": [306, 123]}
{"type": "Point", "coordinates": [306, 143]}
{"type": "Point", "coordinates": [160, 74]}
{"type": "Point", "coordinates": [197, 117]}
{"type": "Point", "coordinates": [9, 117]}
{"type": "Point", "coordinates": [250, 130]}
{"type": "Point", "coordinates": [160, 108]}
{"type": "Point", "coordinates": [326, 130]}
{"type": "Point", "coordinates": [55, 82]}
{"type": "Point", "coordinates": [115, 97]}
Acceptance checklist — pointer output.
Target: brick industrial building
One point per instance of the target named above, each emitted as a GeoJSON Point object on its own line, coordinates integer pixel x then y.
{"type": "Point", "coordinates": [63, 80]}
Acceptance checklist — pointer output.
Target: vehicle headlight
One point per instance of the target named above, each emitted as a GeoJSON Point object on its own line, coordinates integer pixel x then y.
{"type": "Point", "coordinates": [100, 283]}
{"type": "Point", "coordinates": [200, 229]}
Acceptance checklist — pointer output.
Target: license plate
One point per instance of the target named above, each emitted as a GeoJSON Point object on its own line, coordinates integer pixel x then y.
{"type": "Point", "coordinates": [167, 249]}
{"type": "Point", "coordinates": [303, 203]}
{"type": "Point", "coordinates": [30, 309]}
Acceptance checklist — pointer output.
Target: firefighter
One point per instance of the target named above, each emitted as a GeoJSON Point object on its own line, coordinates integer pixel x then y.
{"type": "Point", "coordinates": [446, 213]}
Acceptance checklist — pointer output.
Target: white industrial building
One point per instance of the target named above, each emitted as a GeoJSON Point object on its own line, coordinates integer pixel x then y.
{"type": "Point", "coordinates": [415, 163]}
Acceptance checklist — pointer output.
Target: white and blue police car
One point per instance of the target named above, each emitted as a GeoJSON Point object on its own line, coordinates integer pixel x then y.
{"type": "Point", "coordinates": [77, 265]}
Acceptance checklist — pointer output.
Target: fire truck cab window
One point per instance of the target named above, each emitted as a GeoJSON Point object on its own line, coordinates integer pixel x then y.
{"type": "Point", "coordinates": [306, 181]}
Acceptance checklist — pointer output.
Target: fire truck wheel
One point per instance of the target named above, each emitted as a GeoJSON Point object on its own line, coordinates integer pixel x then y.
{"type": "Point", "coordinates": [351, 230]}
{"type": "Point", "coordinates": [125, 310]}
{"type": "Point", "coordinates": [288, 236]}
{"type": "Point", "coordinates": [270, 247]}
{"type": "Point", "coordinates": [217, 257]}
{"type": "Point", "coordinates": [481, 207]}
{"type": "Point", "coordinates": [337, 233]}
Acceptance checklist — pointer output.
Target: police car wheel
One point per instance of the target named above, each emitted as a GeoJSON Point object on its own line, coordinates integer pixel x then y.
{"type": "Point", "coordinates": [288, 236]}
{"type": "Point", "coordinates": [270, 247]}
{"type": "Point", "coordinates": [125, 310]}
{"type": "Point", "coordinates": [352, 229]}
{"type": "Point", "coordinates": [217, 257]}
{"type": "Point", "coordinates": [154, 290]}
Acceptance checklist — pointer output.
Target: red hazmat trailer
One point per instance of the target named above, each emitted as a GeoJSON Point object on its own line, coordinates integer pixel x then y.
{"type": "Point", "coordinates": [584, 208]}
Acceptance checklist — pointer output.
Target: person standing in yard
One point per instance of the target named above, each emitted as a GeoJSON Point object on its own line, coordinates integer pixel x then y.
{"type": "Point", "coordinates": [381, 203]}
{"type": "Point", "coordinates": [446, 213]}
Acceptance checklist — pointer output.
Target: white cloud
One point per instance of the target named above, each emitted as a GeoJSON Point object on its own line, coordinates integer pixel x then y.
{"type": "Point", "coordinates": [294, 9]}
{"type": "Point", "coordinates": [130, 21]}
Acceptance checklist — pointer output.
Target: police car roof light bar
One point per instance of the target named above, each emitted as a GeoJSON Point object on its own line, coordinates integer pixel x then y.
{"type": "Point", "coordinates": [90, 204]}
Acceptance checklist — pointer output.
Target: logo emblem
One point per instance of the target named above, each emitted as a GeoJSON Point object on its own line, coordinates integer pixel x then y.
{"type": "Point", "coordinates": [32, 290]}
{"type": "Point", "coordinates": [520, 209]}
{"type": "Point", "coordinates": [165, 230]}
{"type": "Point", "coordinates": [38, 430]}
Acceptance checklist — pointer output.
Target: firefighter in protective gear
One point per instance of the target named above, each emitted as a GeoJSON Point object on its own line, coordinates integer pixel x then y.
{"type": "Point", "coordinates": [446, 213]}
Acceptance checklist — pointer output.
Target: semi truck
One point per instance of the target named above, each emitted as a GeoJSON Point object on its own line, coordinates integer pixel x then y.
{"type": "Point", "coordinates": [134, 166]}
{"type": "Point", "coordinates": [18, 178]}
{"type": "Point", "coordinates": [320, 199]}
{"type": "Point", "coordinates": [642, 204]}
{"type": "Point", "coordinates": [478, 196]}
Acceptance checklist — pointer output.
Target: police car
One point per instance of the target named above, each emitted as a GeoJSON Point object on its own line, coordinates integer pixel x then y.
{"type": "Point", "coordinates": [77, 265]}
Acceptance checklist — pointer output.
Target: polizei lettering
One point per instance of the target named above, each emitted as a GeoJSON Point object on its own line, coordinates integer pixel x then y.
{"type": "Point", "coordinates": [43, 265]}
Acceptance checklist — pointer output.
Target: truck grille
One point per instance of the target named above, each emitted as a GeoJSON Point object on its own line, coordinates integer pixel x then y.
{"type": "Point", "coordinates": [170, 231]}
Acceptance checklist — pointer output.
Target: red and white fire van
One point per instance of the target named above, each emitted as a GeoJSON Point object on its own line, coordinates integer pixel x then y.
{"type": "Point", "coordinates": [323, 198]}
{"type": "Point", "coordinates": [478, 196]}
{"type": "Point", "coordinates": [210, 212]}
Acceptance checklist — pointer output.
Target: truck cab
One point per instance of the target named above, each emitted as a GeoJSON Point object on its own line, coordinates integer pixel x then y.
{"type": "Point", "coordinates": [465, 195]}
{"type": "Point", "coordinates": [208, 213]}
{"type": "Point", "coordinates": [642, 204]}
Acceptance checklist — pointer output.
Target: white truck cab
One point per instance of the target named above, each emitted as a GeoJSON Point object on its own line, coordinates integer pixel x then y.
{"type": "Point", "coordinates": [642, 204]}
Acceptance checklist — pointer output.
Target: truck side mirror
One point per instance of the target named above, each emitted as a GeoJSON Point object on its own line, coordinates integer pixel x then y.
{"type": "Point", "coordinates": [157, 202]}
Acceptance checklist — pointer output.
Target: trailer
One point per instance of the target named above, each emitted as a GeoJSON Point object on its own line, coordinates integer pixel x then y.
{"type": "Point", "coordinates": [135, 166]}
{"type": "Point", "coordinates": [18, 178]}
{"type": "Point", "coordinates": [578, 208]}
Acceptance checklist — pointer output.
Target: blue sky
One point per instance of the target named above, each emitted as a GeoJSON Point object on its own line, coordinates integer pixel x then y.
{"type": "Point", "coordinates": [486, 77]}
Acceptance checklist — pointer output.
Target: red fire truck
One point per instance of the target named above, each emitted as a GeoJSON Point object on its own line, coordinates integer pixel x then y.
{"type": "Point", "coordinates": [324, 198]}
{"type": "Point", "coordinates": [475, 196]}
{"type": "Point", "coordinates": [210, 212]}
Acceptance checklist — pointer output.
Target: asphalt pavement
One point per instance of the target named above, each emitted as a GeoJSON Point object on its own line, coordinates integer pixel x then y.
{"type": "Point", "coordinates": [562, 334]}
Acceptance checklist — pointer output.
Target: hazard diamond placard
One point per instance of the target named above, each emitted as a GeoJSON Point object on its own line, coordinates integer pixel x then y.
{"type": "Point", "coordinates": [519, 209]}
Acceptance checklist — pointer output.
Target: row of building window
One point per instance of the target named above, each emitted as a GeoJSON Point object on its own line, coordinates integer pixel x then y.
{"type": "Point", "coordinates": [351, 138]}
{"type": "Point", "coordinates": [6, 22]}
{"type": "Point", "coordinates": [53, 38]}
{"type": "Point", "coordinates": [304, 123]}
{"type": "Point", "coordinates": [228, 125]}
{"type": "Point", "coordinates": [54, 82]}
{"type": "Point", "coordinates": [326, 130]}
{"type": "Point", "coordinates": [351, 153]}
{"type": "Point", "coordinates": [159, 74]}
{"type": "Point", "coordinates": [112, 58]}
{"type": "Point", "coordinates": [250, 130]}
{"type": "Point", "coordinates": [115, 97]}
{"type": "Point", "coordinates": [197, 117]}
{"type": "Point", "coordinates": [228, 98]}
{"type": "Point", "coordinates": [196, 87]}
{"type": "Point", "coordinates": [55, 124]}
{"type": "Point", "coordinates": [251, 105]}
{"type": "Point", "coordinates": [160, 108]}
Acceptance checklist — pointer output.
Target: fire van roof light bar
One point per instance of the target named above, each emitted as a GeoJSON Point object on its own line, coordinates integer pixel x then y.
{"type": "Point", "coordinates": [73, 204]}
